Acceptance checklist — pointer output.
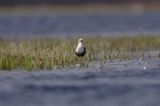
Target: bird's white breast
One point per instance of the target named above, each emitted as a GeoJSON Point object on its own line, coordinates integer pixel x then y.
{"type": "Point", "coordinates": [80, 48]}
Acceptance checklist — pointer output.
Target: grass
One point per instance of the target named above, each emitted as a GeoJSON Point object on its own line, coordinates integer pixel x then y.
{"type": "Point", "coordinates": [48, 53]}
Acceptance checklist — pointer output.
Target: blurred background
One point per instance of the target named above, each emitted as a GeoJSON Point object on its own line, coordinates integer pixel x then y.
{"type": "Point", "coordinates": [63, 18]}
{"type": "Point", "coordinates": [71, 2]}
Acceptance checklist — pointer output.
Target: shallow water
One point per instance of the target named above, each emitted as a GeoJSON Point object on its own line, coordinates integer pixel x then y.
{"type": "Point", "coordinates": [114, 84]}
{"type": "Point", "coordinates": [54, 24]}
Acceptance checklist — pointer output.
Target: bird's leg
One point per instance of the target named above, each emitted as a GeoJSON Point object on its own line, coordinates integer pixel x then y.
{"type": "Point", "coordinates": [80, 62]}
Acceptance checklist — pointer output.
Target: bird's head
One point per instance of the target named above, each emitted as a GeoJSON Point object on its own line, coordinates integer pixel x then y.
{"type": "Point", "coordinates": [80, 40]}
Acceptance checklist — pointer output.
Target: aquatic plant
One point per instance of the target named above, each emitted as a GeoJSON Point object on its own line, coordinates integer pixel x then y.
{"type": "Point", "coordinates": [48, 53]}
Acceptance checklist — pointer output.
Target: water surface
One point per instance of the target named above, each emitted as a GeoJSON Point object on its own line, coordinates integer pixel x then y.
{"type": "Point", "coordinates": [54, 24]}
{"type": "Point", "coordinates": [115, 84]}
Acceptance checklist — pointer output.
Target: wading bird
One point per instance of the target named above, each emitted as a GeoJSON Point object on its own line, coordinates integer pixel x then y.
{"type": "Point", "coordinates": [81, 49]}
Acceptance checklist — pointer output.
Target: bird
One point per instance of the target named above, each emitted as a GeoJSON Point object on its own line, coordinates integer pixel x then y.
{"type": "Point", "coordinates": [81, 49]}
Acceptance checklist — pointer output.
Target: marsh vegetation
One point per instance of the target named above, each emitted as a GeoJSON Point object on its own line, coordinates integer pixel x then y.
{"type": "Point", "coordinates": [48, 53]}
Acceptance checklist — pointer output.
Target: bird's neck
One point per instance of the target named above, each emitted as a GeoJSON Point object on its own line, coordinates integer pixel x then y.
{"type": "Point", "coordinates": [80, 44]}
